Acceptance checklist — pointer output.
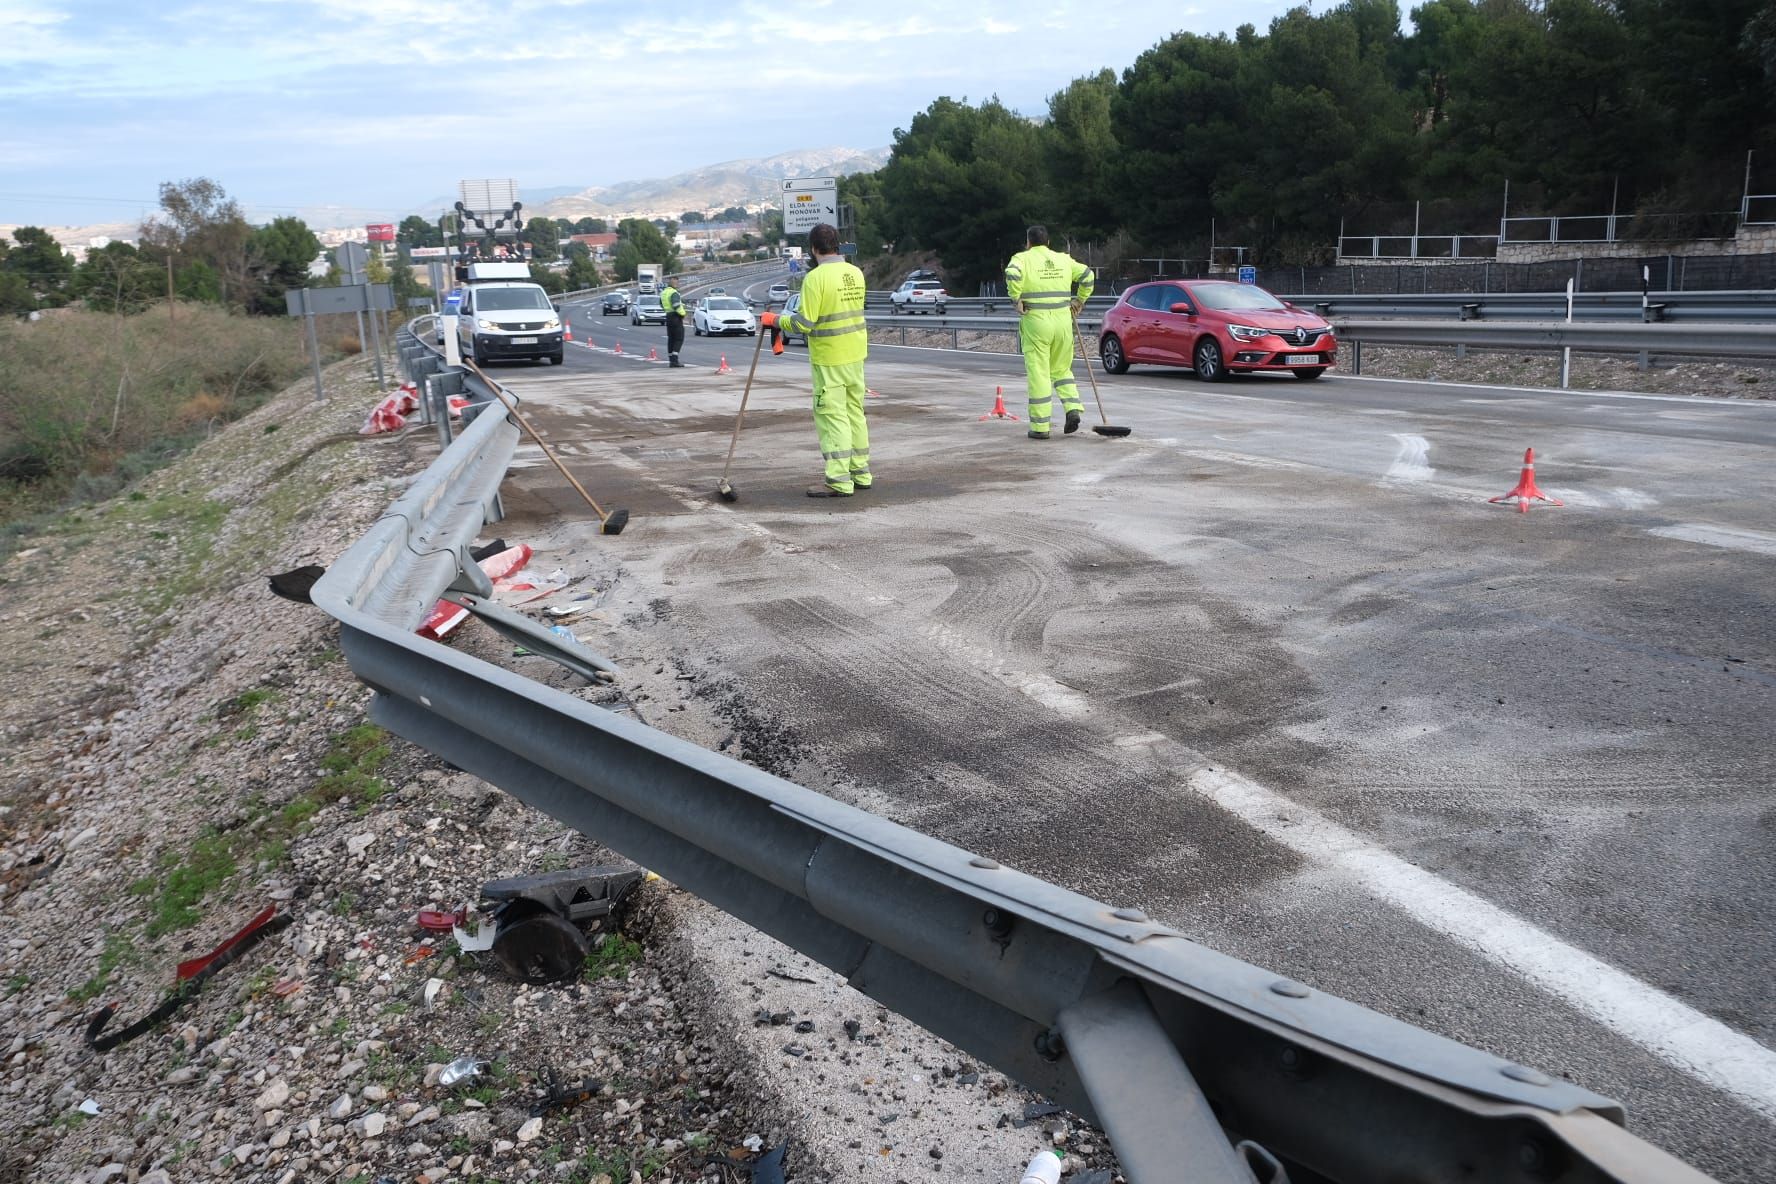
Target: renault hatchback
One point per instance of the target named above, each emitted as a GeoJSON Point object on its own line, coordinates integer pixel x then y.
{"type": "Point", "coordinates": [1216, 328]}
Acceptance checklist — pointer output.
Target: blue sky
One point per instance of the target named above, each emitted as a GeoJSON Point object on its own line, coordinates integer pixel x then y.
{"type": "Point", "coordinates": [376, 106]}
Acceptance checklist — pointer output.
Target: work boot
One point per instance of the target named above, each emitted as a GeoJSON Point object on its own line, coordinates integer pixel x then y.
{"type": "Point", "coordinates": [1072, 423]}
{"type": "Point", "coordinates": [1037, 435]}
{"type": "Point", "coordinates": [675, 361]}
{"type": "Point", "coordinates": [826, 491]}
{"type": "Point", "coordinates": [859, 488]}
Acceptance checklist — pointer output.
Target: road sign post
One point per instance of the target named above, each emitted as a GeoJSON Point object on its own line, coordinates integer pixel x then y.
{"type": "Point", "coordinates": [314, 302]}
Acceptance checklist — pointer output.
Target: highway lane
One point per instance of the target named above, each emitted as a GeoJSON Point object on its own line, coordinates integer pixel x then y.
{"type": "Point", "coordinates": [1271, 669]}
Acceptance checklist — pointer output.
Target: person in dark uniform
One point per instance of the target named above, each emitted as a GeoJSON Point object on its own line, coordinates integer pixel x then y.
{"type": "Point", "coordinates": [674, 305]}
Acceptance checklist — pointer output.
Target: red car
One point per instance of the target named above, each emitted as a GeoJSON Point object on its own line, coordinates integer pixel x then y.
{"type": "Point", "coordinates": [1216, 328]}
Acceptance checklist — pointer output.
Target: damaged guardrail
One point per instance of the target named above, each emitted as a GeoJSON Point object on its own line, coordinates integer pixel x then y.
{"type": "Point", "coordinates": [1196, 1064]}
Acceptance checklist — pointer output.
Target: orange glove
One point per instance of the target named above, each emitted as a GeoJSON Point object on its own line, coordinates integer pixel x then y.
{"type": "Point", "coordinates": [768, 319]}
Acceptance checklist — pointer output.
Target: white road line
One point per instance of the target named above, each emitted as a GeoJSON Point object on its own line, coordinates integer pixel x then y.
{"type": "Point", "coordinates": [1731, 537]}
{"type": "Point", "coordinates": [1568, 393]}
{"type": "Point", "coordinates": [1673, 1031]}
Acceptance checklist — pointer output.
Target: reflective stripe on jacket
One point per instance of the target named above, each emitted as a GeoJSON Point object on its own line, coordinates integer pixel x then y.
{"type": "Point", "coordinates": [831, 315]}
{"type": "Point", "coordinates": [1046, 280]}
{"type": "Point", "coordinates": [672, 302]}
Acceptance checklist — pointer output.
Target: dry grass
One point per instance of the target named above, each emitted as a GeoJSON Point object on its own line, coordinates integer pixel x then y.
{"type": "Point", "coordinates": [90, 401]}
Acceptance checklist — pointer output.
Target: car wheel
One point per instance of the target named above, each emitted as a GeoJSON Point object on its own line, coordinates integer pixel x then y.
{"type": "Point", "coordinates": [893, 309]}
{"type": "Point", "coordinates": [1207, 359]}
{"type": "Point", "coordinates": [556, 359]}
{"type": "Point", "coordinates": [1110, 353]}
{"type": "Point", "coordinates": [940, 310]}
{"type": "Point", "coordinates": [1308, 375]}
{"type": "Point", "coordinates": [696, 329]}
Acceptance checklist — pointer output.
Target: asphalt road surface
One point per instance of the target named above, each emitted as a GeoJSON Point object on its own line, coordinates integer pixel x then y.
{"type": "Point", "coordinates": [1271, 669]}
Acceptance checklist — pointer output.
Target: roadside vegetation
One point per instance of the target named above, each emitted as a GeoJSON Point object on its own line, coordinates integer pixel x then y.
{"type": "Point", "coordinates": [90, 401]}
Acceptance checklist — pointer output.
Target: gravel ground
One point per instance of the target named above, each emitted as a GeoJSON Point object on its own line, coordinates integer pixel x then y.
{"type": "Point", "coordinates": [179, 749]}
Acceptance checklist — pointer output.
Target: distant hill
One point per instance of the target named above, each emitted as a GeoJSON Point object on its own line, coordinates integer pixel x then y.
{"type": "Point", "coordinates": [750, 182]}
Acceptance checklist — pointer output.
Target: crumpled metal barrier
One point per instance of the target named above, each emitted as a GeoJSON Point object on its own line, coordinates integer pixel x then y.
{"type": "Point", "coordinates": [1175, 1049]}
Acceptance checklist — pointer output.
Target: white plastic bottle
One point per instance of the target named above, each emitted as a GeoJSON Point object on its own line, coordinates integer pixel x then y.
{"type": "Point", "coordinates": [1044, 1169]}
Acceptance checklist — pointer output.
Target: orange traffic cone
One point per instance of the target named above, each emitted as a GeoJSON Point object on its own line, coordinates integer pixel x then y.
{"type": "Point", "coordinates": [652, 356]}
{"type": "Point", "coordinates": [998, 411]}
{"type": "Point", "coordinates": [567, 331]}
{"type": "Point", "coordinates": [618, 349]}
{"type": "Point", "coordinates": [723, 368]}
{"type": "Point", "coordinates": [1526, 490]}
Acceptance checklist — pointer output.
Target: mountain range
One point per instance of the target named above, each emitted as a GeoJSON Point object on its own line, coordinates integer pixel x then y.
{"type": "Point", "coordinates": [750, 183]}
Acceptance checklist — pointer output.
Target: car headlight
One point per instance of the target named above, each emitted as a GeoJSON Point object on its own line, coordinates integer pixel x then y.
{"type": "Point", "coordinates": [1247, 332]}
{"type": "Point", "coordinates": [552, 323]}
{"type": "Point", "coordinates": [485, 324]}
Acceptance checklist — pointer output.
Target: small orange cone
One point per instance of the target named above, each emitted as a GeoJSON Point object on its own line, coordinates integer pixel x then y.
{"type": "Point", "coordinates": [618, 349]}
{"type": "Point", "coordinates": [1526, 490]}
{"type": "Point", "coordinates": [652, 356]}
{"type": "Point", "coordinates": [567, 331]}
{"type": "Point", "coordinates": [723, 368]}
{"type": "Point", "coordinates": [998, 411]}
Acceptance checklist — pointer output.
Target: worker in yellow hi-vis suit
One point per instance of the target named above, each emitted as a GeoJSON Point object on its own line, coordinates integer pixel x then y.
{"type": "Point", "coordinates": [831, 318]}
{"type": "Point", "coordinates": [1048, 287]}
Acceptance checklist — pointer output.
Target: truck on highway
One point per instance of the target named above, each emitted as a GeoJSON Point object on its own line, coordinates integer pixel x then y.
{"type": "Point", "coordinates": [503, 313]}
{"type": "Point", "coordinates": [647, 278]}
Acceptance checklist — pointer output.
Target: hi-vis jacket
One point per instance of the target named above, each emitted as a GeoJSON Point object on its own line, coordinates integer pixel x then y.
{"type": "Point", "coordinates": [1047, 281]}
{"type": "Point", "coordinates": [831, 315]}
{"type": "Point", "coordinates": [671, 301]}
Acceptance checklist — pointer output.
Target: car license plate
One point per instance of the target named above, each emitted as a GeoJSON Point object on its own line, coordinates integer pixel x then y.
{"type": "Point", "coordinates": [1302, 360]}
{"type": "Point", "coordinates": [524, 341]}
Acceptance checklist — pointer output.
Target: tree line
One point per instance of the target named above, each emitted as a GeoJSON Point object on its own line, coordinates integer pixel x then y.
{"type": "Point", "coordinates": [1345, 116]}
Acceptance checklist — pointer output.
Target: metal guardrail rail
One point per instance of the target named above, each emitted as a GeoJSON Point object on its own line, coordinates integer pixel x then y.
{"type": "Point", "coordinates": [1703, 339]}
{"type": "Point", "coordinates": [1686, 307]}
{"type": "Point", "coordinates": [1178, 1051]}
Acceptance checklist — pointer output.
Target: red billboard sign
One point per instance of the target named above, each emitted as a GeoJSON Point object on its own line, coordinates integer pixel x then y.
{"type": "Point", "coordinates": [381, 232]}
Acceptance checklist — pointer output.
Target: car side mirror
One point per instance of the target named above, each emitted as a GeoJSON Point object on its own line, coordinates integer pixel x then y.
{"type": "Point", "coordinates": [1180, 306]}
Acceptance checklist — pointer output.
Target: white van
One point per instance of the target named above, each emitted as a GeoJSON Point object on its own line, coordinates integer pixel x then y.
{"type": "Point", "coordinates": [504, 314]}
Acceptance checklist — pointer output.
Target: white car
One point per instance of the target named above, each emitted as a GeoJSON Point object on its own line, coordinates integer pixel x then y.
{"type": "Point", "coordinates": [779, 294]}
{"type": "Point", "coordinates": [924, 295]}
{"type": "Point", "coordinates": [719, 315]}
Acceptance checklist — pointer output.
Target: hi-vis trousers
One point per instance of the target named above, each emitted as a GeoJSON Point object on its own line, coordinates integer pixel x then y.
{"type": "Point", "coordinates": [1047, 339]}
{"type": "Point", "coordinates": [838, 417]}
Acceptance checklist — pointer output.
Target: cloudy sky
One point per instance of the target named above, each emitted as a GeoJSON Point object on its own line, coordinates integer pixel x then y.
{"type": "Point", "coordinates": [377, 106]}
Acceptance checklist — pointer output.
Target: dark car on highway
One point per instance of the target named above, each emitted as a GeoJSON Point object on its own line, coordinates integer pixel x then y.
{"type": "Point", "coordinates": [1215, 327]}
{"type": "Point", "coordinates": [617, 302]}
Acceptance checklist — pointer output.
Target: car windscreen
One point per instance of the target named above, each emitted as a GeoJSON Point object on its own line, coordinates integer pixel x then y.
{"type": "Point", "coordinates": [1237, 297]}
{"type": "Point", "coordinates": [495, 299]}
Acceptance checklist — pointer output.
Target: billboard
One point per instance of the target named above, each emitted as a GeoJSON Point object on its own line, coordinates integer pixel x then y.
{"type": "Point", "coordinates": [381, 232]}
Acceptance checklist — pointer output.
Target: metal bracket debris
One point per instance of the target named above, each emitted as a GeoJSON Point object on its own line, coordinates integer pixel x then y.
{"type": "Point", "coordinates": [588, 664]}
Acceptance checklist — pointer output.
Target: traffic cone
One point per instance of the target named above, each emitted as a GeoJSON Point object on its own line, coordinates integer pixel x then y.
{"type": "Point", "coordinates": [567, 331]}
{"type": "Point", "coordinates": [1526, 490]}
{"type": "Point", "coordinates": [724, 368]}
{"type": "Point", "coordinates": [618, 349]}
{"type": "Point", "coordinates": [652, 355]}
{"type": "Point", "coordinates": [998, 411]}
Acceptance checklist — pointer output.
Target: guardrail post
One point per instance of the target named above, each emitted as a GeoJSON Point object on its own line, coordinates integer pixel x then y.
{"type": "Point", "coordinates": [1356, 357]}
{"type": "Point", "coordinates": [1143, 1093]}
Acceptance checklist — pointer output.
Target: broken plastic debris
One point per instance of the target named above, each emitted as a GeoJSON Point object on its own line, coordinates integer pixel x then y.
{"type": "Point", "coordinates": [89, 1107]}
{"type": "Point", "coordinates": [432, 987]}
{"type": "Point", "coordinates": [437, 921]}
{"type": "Point", "coordinates": [474, 943]}
{"type": "Point", "coordinates": [461, 1069]}
{"type": "Point", "coordinates": [419, 955]}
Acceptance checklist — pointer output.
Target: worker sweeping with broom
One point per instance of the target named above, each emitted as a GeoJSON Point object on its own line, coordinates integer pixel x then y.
{"type": "Point", "coordinates": [831, 318]}
{"type": "Point", "coordinates": [1048, 287]}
